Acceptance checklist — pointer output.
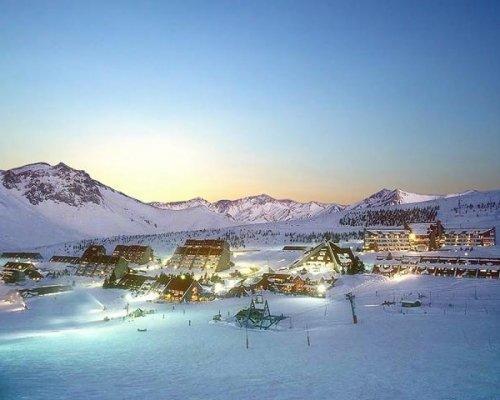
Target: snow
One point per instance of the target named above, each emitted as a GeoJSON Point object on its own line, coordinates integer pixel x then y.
{"type": "Point", "coordinates": [42, 204]}
{"type": "Point", "coordinates": [255, 209]}
{"type": "Point", "coordinates": [61, 347]}
{"type": "Point", "coordinates": [112, 213]}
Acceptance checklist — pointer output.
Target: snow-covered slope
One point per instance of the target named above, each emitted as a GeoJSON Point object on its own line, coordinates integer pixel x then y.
{"type": "Point", "coordinates": [468, 209]}
{"type": "Point", "coordinates": [254, 209]}
{"type": "Point", "coordinates": [42, 204]}
{"type": "Point", "coordinates": [387, 197]}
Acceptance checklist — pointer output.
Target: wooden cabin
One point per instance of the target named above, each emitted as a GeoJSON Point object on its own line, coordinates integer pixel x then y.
{"type": "Point", "coordinates": [326, 255]}
{"type": "Point", "coordinates": [184, 288]}
{"type": "Point", "coordinates": [135, 282]}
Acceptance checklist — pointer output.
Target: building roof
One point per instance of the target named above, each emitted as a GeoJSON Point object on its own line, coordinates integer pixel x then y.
{"type": "Point", "coordinates": [20, 266]}
{"type": "Point", "coordinates": [22, 255]}
{"type": "Point", "coordinates": [469, 230]}
{"type": "Point", "coordinates": [65, 259]}
{"type": "Point", "coordinates": [104, 259]}
{"type": "Point", "coordinates": [179, 283]}
{"type": "Point", "coordinates": [131, 248]}
{"type": "Point", "coordinates": [131, 280]}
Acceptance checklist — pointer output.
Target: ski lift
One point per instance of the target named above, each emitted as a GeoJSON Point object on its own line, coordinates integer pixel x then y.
{"type": "Point", "coordinates": [257, 317]}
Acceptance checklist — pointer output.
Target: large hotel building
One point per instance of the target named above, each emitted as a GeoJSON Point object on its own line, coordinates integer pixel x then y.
{"type": "Point", "coordinates": [424, 237]}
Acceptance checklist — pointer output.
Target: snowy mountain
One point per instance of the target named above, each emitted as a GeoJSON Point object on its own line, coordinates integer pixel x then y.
{"type": "Point", "coordinates": [256, 209]}
{"type": "Point", "coordinates": [387, 197]}
{"type": "Point", "coordinates": [469, 209]}
{"type": "Point", "coordinates": [42, 204]}
{"type": "Point", "coordinates": [182, 205]}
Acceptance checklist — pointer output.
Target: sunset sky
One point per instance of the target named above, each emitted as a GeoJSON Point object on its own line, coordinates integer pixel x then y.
{"type": "Point", "coordinates": [312, 100]}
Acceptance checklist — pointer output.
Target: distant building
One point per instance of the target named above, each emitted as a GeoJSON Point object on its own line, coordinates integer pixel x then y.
{"type": "Point", "coordinates": [183, 288]}
{"type": "Point", "coordinates": [103, 266]}
{"type": "Point", "coordinates": [137, 282]}
{"type": "Point", "coordinates": [452, 266]}
{"type": "Point", "coordinates": [92, 252]}
{"type": "Point", "coordinates": [209, 255]}
{"type": "Point", "coordinates": [295, 248]}
{"type": "Point", "coordinates": [13, 276]}
{"type": "Point", "coordinates": [65, 259]}
{"type": "Point", "coordinates": [424, 237]}
{"type": "Point", "coordinates": [134, 253]}
{"type": "Point", "coordinates": [469, 237]}
{"type": "Point", "coordinates": [19, 270]}
{"type": "Point", "coordinates": [22, 256]}
{"type": "Point", "coordinates": [387, 239]}
{"type": "Point", "coordinates": [326, 255]}
{"type": "Point", "coordinates": [289, 284]}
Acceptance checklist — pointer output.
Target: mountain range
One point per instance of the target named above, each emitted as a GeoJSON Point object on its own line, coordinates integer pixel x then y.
{"type": "Point", "coordinates": [255, 209]}
{"type": "Point", "coordinates": [43, 204]}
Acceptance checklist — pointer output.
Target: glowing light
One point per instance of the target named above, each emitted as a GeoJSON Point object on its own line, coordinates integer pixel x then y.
{"type": "Point", "coordinates": [321, 288]}
{"type": "Point", "coordinates": [218, 288]}
{"type": "Point", "coordinates": [399, 278]}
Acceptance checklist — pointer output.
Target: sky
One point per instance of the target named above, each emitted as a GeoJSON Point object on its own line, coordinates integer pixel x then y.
{"type": "Point", "coordinates": [327, 101]}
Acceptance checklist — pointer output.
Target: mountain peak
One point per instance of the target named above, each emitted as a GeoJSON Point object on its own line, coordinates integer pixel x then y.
{"type": "Point", "coordinates": [40, 182]}
{"type": "Point", "coordinates": [389, 197]}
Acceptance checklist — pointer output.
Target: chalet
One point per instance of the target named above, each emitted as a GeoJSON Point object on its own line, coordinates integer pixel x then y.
{"type": "Point", "coordinates": [134, 253]}
{"type": "Point", "coordinates": [208, 255]}
{"type": "Point", "coordinates": [92, 252]}
{"type": "Point", "coordinates": [326, 255]}
{"type": "Point", "coordinates": [65, 259]}
{"type": "Point", "coordinates": [160, 284]}
{"type": "Point", "coordinates": [23, 256]}
{"type": "Point", "coordinates": [141, 283]}
{"type": "Point", "coordinates": [183, 288]}
{"type": "Point", "coordinates": [20, 270]}
{"type": "Point", "coordinates": [103, 265]}
{"type": "Point", "coordinates": [289, 284]}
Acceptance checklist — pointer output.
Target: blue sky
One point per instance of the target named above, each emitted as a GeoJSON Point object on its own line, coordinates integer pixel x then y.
{"type": "Point", "coordinates": [310, 100]}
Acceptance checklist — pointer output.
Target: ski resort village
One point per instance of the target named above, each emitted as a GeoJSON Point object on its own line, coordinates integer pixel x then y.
{"type": "Point", "coordinates": [105, 297]}
{"type": "Point", "coordinates": [249, 200]}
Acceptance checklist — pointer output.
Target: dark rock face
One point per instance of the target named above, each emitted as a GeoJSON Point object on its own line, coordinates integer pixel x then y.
{"type": "Point", "coordinates": [60, 183]}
